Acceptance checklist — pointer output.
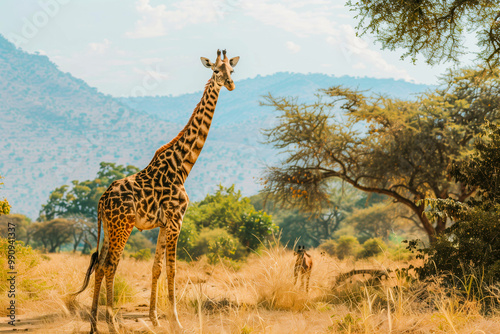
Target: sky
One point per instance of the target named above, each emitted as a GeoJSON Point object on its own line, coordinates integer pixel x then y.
{"type": "Point", "coordinates": [152, 47]}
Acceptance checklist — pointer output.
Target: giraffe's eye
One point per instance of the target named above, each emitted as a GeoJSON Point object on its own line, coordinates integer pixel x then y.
{"type": "Point", "coordinates": [216, 71]}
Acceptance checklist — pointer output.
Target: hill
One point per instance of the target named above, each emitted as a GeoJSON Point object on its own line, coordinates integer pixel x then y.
{"type": "Point", "coordinates": [55, 128]}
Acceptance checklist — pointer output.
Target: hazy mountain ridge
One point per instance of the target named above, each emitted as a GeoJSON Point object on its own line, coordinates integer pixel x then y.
{"type": "Point", "coordinates": [55, 128]}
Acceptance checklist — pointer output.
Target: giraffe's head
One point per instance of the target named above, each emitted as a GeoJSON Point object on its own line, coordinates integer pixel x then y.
{"type": "Point", "coordinates": [222, 69]}
{"type": "Point", "coordinates": [300, 251]}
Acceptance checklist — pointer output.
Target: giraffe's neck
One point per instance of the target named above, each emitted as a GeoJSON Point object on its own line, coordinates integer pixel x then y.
{"type": "Point", "coordinates": [186, 147]}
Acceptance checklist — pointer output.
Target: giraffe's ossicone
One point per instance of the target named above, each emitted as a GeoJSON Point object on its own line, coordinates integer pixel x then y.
{"type": "Point", "coordinates": [155, 198]}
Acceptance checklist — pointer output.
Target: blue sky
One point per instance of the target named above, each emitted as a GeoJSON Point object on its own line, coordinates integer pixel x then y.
{"type": "Point", "coordinates": [152, 47]}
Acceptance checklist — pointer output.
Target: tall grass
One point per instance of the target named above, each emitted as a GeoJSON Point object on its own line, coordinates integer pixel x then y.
{"type": "Point", "coordinates": [260, 297]}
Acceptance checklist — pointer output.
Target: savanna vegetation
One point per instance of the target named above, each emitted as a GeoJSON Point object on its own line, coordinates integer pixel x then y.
{"type": "Point", "coordinates": [397, 201]}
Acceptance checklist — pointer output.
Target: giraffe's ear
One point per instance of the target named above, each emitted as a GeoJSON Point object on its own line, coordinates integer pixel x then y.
{"type": "Point", "coordinates": [234, 61]}
{"type": "Point", "coordinates": [206, 62]}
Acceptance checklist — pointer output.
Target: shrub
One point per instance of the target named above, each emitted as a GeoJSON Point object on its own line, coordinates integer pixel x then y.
{"type": "Point", "coordinates": [142, 255]}
{"type": "Point", "coordinates": [347, 246]}
{"type": "Point", "coordinates": [222, 248]}
{"type": "Point", "coordinates": [123, 292]}
{"type": "Point", "coordinates": [372, 247]}
{"type": "Point", "coordinates": [138, 241]}
{"type": "Point", "coordinates": [26, 260]}
{"type": "Point", "coordinates": [209, 239]}
{"type": "Point", "coordinates": [328, 247]}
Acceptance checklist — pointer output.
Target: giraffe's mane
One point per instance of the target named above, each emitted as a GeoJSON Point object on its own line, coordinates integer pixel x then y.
{"type": "Point", "coordinates": [173, 141]}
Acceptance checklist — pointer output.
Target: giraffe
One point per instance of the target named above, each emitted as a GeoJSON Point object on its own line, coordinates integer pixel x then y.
{"type": "Point", "coordinates": [155, 197]}
{"type": "Point", "coordinates": [303, 265]}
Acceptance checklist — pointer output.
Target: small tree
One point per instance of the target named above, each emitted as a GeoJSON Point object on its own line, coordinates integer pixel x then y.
{"type": "Point", "coordinates": [53, 234]}
{"type": "Point", "coordinates": [253, 229]}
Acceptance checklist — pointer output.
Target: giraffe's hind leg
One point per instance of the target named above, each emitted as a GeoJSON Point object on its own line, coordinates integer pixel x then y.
{"type": "Point", "coordinates": [159, 258]}
{"type": "Point", "coordinates": [99, 275]}
{"type": "Point", "coordinates": [118, 238]}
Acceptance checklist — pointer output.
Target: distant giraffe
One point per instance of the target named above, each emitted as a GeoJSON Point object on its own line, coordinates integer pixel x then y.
{"type": "Point", "coordinates": [303, 266]}
{"type": "Point", "coordinates": [155, 197]}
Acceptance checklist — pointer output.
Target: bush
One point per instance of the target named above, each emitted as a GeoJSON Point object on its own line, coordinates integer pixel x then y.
{"type": "Point", "coordinates": [222, 248]}
{"type": "Point", "coordinates": [347, 246]}
{"type": "Point", "coordinates": [468, 247]}
{"type": "Point", "coordinates": [26, 261]}
{"type": "Point", "coordinates": [372, 247]}
{"type": "Point", "coordinates": [123, 292]}
{"type": "Point", "coordinates": [142, 255]}
{"type": "Point", "coordinates": [209, 239]}
{"type": "Point", "coordinates": [328, 247]}
{"type": "Point", "coordinates": [253, 228]}
{"type": "Point", "coordinates": [138, 241]}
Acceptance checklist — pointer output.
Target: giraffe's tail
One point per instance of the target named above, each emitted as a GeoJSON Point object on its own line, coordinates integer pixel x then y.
{"type": "Point", "coordinates": [93, 260]}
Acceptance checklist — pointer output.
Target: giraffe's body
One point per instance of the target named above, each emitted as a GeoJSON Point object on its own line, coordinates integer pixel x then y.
{"type": "Point", "coordinates": [155, 197]}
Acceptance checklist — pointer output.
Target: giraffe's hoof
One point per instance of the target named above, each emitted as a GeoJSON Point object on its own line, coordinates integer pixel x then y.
{"type": "Point", "coordinates": [154, 319]}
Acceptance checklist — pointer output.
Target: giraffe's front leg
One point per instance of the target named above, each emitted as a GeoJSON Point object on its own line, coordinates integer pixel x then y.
{"type": "Point", "coordinates": [159, 256]}
{"type": "Point", "coordinates": [171, 268]}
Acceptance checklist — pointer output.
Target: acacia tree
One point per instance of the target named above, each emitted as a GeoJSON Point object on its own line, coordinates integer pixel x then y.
{"type": "Point", "coordinates": [433, 28]}
{"type": "Point", "coordinates": [401, 149]}
{"type": "Point", "coordinates": [53, 233]}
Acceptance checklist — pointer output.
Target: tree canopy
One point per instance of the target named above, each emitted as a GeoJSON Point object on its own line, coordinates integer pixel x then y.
{"type": "Point", "coordinates": [402, 149]}
{"type": "Point", "coordinates": [434, 28]}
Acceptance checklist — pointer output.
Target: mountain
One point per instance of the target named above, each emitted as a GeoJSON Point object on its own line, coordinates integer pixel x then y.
{"type": "Point", "coordinates": [55, 128]}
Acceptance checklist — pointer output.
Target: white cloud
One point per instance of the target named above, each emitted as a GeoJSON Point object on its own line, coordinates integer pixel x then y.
{"type": "Point", "coordinates": [359, 66]}
{"type": "Point", "coordinates": [357, 50]}
{"type": "Point", "coordinates": [157, 20]}
{"type": "Point", "coordinates": [100, 48]}
{"type": "Point", "coordinates": [149, 61]}
{"type": "Point", "coordinates": [294, 48]}
{"type": "Point", "coordinates": [291, 17]}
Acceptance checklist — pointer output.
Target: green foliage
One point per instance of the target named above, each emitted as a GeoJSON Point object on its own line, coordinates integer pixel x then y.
{"type": "Point", "coordinates": [372, 247]}
{"type": "Point", "coordinates": [220, 210]}
{"type": "Point", "coordinates": [142, 255]}
{"type": "Point", "coordinates": [228, 210]}
{"type": "Point", "coordinates": [470, 248]}
{"type": "Point", "coordinates": [436, 29]}
{"type": "Point", "coordinates": [208, 241]}
{"type": "Point", "coordinates": [347, 246]}
{"type": "Point", "coordinates": [82, 197]}
{"type": "Point", "coordinates": [123, 292]}
{"type": "Point", "coordinates": [137, 242]}
{"type": "Point", "coordinates": [403, 149]}
{"type": "Point", "coordinates": [187, 239]}
{"type": "Point", "coordinates": [253, 228]}
{"type": "Point", "coordinates": [221, 248]}
{"type": "Point", "coordinates": [26, 261]}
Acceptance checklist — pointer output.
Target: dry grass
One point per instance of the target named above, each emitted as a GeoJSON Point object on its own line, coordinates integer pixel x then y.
{"type": "Point", "coordinates": [258, 298]}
